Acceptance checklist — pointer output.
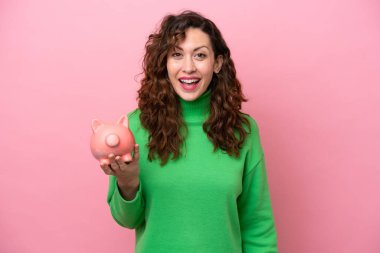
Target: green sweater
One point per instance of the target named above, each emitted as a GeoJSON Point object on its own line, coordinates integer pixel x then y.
{"type": "Point", "coordinates": [204, 202]}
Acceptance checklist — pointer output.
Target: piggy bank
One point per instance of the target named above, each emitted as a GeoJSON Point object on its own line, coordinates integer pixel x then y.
{"type": "Point", "coordinates": [112, 138]}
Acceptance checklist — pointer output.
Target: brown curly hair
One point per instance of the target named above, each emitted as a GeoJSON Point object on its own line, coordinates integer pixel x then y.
{"type": "Point", "coordinates": [160, 106]}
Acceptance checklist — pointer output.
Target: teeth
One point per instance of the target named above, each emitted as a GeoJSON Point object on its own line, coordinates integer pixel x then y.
{"type": "Point", "coordinates": [189, 81]}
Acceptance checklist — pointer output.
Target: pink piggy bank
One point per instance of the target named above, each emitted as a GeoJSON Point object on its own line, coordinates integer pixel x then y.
{"type": "Point", "coordinates": [112, 138]}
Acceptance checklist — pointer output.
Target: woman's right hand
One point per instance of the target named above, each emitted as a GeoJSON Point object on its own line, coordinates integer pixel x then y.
{"type": "Point", "coordinates": [126, 172]}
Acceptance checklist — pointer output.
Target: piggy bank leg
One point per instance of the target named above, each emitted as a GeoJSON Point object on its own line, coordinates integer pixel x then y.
{"type": "Point", "coordinates": [127, 157]}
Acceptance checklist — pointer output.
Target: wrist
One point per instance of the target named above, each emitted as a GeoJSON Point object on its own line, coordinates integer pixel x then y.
{"type": "Point", "coordinates": [129, 185]}
{"type": "Point", "coordinates": [129, 192]}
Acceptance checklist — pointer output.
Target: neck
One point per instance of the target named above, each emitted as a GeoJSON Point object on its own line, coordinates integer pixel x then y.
{"type": "Point", "coordinates": [196, 111]}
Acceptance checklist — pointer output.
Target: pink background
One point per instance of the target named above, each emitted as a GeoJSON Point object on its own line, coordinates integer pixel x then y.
{"type": "Point", "coordinates": [309, 68]}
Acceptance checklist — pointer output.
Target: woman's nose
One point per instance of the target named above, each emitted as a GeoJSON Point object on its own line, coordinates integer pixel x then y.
{"type": "Point", "coordinates": [188, 65]}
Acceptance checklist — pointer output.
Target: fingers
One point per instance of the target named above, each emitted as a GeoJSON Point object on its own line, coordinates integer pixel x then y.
{"type": "Point", "coordinates": [117, 164]}
{"type": "Point", "coordinates": [127, 158]}
{"type": "Point", "coordinates": [113, 163]}
{"type": "Point", "coordinates": [122, 164]}
{"type": "Point", "coordinates": [124, 161]}
{"type": "Point", "coordinates": [106, 169]}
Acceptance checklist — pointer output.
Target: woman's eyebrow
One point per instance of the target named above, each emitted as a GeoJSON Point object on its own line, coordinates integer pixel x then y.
{"type": "Point", "coordinates": [195, 49]}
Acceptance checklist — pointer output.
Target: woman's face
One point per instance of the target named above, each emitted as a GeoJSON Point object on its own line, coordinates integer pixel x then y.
{"type": "Point", "coordinates": [191, 64]}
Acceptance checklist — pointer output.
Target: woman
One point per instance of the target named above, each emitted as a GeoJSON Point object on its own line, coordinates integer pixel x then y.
{"type": "Point", "coordinates": [200, 185]}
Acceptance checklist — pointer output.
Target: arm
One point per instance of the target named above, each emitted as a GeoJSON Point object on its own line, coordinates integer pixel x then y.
{"type": "Point", "coordinates": [255, 213]}
{"type": "Point", "coordinates": [127, 213]}
{"type": "Point", "coordinates": [257, 224]}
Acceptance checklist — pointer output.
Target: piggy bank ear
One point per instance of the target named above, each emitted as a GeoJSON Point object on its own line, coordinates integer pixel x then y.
{"type": "Point", "coordinates": [96, 124]}
{"type": "Point", "coordinates": [123, 121]}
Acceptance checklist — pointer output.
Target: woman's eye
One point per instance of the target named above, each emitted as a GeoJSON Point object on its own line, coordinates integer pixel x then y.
{"type": "Point", "coordinates": [201, 55]}
{"type": "Point", "coordinates": [176, 54]}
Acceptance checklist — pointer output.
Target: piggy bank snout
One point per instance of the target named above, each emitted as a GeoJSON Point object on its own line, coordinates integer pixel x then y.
{"type": "Point", "coordinates": [112, 140]}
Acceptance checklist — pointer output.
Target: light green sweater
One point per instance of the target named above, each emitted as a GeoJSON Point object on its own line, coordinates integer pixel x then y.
{"type": "Point", "coordinates": [205, 202]}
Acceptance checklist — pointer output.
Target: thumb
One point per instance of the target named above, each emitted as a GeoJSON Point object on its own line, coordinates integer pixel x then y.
{"type": "Point", "coordinates": [136, 154]}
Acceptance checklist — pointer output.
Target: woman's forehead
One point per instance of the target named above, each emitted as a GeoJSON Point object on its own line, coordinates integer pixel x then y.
{"type": "Point", "coordinates": [194, 39]}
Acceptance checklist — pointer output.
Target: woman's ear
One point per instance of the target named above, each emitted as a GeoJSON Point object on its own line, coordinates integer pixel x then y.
{"type": "Point", "coordinates": [218, 64]}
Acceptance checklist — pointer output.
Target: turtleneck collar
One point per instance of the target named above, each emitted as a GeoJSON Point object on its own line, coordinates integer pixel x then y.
{"type": "Point", "coordinates": [196, 111]}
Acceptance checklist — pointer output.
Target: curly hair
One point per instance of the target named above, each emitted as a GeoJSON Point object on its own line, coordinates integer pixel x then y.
{"type": "Point", "coordinates": [160, 106]}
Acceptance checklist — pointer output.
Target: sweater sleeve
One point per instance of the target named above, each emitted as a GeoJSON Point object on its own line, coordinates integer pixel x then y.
{"type": "Point", "coordinates": [257, 225]}
{"type": "Point", "coordinates": [127, 213]}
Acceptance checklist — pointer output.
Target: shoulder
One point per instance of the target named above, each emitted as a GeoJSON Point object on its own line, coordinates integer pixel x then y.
{"type": "Point", "coordinates": [134, 119]}
{"type": "Point", "coordinates": [253, 138]}
{"type": "Point", "coordinates": [253, 127]}
{"type": "Point", "coordinates": [135, 113]}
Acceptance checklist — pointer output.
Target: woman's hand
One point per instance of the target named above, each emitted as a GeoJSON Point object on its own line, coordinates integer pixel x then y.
{"type": "Point", "coordinates": [126, 172]}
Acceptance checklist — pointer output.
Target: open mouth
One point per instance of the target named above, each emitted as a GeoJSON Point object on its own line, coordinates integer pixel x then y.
{"type": "Point", "coordinates": [189, 84]}
{"type": "Point", "coordinates": [189, 81]}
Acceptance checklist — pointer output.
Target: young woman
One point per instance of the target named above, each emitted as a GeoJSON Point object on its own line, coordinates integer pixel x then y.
{"type": "Point", "coordinates": [198, 181]}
